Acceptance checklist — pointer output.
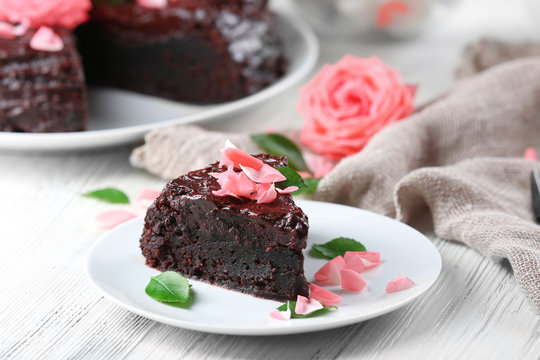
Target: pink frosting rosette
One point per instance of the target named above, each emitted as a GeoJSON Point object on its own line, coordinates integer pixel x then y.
{"type": "Point", "coordinates": [347, 103]}
{"type": "Point", "coordinates": [36, 13]}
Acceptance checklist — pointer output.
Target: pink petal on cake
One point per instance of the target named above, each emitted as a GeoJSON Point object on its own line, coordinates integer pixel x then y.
{"type": "Point", "coordinates": [152, 4]}
{"type": "Point", "coordinates": [45, 39]}
{"type": "Point", "coordinates": [355, 262]}
{"type": "Point", "coordinates": [306, 306]}
{"type": "Point", "coordinates": [330, 272]}
{"type": "Point", "coordinates": [281, 315]}
{"type": "Point", "coordinates": [146, 197]}
{"type": "Point", "coordinates": [373, 257]}
{"type": "Point", "coordinates": [327, 298]}
{"type": "Point", "coordinates": [112, 218]}
{"type": "Point", "coordinates": [287, 190]}
{"type": "Point", "coordinates": [236, 183]}
{"type": "Point", "coordinates": [399, 283]}
{"type": "Point", "coordinates": [351, 280]}
{"type": "Point", "coordinates": [266, 174]}
{"type": "Point", "coordinates": [530, 154]}
{"type": "Point", "coordinates": [21, 29]}
{"type": "Point", "coordinates": [240, 157]}
{"type": "Point", "coordinates": [224, 192]}
{"type": "Point", "coordinates": [267, 196]}
{"type": "Point", "coordinates": [7, 31]}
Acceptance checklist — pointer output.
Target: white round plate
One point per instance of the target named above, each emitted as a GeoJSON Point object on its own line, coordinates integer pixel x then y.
{"type": "Point", "coordinates": [115, 265]}
{"type": "Point", "coordinates": [120, 117]}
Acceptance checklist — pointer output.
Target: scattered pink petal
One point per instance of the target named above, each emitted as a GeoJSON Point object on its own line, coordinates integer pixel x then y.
{"type": "Point", "coordinates": [236, 183]}
{"type": "Point", "coordinates": [351, 280]}
{"type": "Point", "coordinates": [265, 174]}
{"type": "Point", "coordinates": [45, 39]}
{"type": "Point", "coordinates": [355, 262]}
{"type": "Point", "coordinates": [240, 157]}
{"type": "Point", "coordinates": [306, 306]}
{"type": "Point", "coordinates": [7, 31]}
{"type": "Point", "coordinates": [268, 195]}
{"type": "Point", "coordinates": [318, 165]}
{"type": "Point", "coordinates": [327, 298]}
{"type": "Point", "coordinates": [269, 130]}
{"type": "Point", "coordinates": [530, 154]}
{"type": "Point", "coordinates": [389, 11]}
{"type": "Point", "coordinates": [373, 257]}
{"type": "Point", "coordinates": [112, 218]}
{"type": "Point", "coordinates": [401, 282]}
{"type": "Point", "coordinates": [330, 272]}
{"type": "Point", "coordinates": [287, 190]}
{"type": "Point", "coordinates": [152, 4]}
{"type": "Point", "coordinates": [146, 197]}
{"type": "Point", "coordinates": [281, 315]}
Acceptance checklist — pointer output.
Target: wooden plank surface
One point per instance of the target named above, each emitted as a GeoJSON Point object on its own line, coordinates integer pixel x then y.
{"type": "Point", "coordinates": [48, 309]}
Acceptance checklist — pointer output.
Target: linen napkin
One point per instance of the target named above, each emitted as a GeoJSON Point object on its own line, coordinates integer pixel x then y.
{"type": "Point", "coordinates": [457, 160]}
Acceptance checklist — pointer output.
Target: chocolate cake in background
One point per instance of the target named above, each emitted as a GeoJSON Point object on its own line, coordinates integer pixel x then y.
{"type": "Point", "coordinates": [237, 243]}
{"type": "Point", "coordinates": [195, 51]}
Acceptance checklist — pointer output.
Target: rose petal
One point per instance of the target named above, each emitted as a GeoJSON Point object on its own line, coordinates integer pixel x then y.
{"type": "Point", "coordinates": [265, 174]}
{"type": "Point", "coordinates": [236, 183]}
{"type": "Point", "coordinates": [152, 4]}
{"type": "Point", "coordinates": [112, 218]}
{"type": "Point", "coordinates": [21, 28]}
{"type": "Point", "coordinates": [287, 190]}
{"type": "Point", "coordinates": [530, 154]}
{"type": "Point", "coordinates": [146, 197]}
{"type": "Point", "coordinates": [7, 31]}
{"type": "Point", "coordinates": [374, 257]}
{"type": "Point", "coordinates": [267, 196]}
{"type": "Point", "coordinates": [351, 280]}
{"type": "Point", "coordinates": [354, 262]}
{"type": "Point", "coordinates": [45, 39]}
{"type": "Point", "coordinates": [327, 298]}
{"type": "Point", "coordinates": [240, 157]}
{"type": "Point", "coordinates": [330, 272]}
{"type": "Point", "coordinates": [281, 315]}
{"type": "Point", "coordinates": [401, 282]}
{"type": "Point", "coordinates": [305, 306]}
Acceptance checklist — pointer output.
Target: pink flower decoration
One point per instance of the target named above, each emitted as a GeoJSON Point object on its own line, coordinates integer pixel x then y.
{"type": "Point", "coordinates": [306, 306]}
{"type": "Point", "coordinates": [112, 218]}
{"type": "Point", "coordinates": [327, 298]}
{"type": "Point", "coordinates": [355, 262]}
{"type": "Point", "coordinates": [345, 104]}
{"type": "Point", "coordinates": [237, 157]}
{"type": "Point", "coordinates": [287, 190]}
{"type": "Point", "coordinates": [329, 273]}
{"type": "Point", "coordinates": [235, 184]}
{"type": "Point", "coordinates": [530, 154]}
{"type": "Point", "coordinates": [401, 282]}
{"type": "Point", "coordinates": [318, 165]}
{"type": "Point", "coordinates": [45, 39]}
{"type": "Point", "coordinates": [351, 280]}
{"type": "Point", "coordinates": [281, 315]}
{"type": "Point", "coordinates": [63, 13]}
{"type": "Point", "coordinates": [266, 193]}
{"type": "Point", "coordinates": [152, 4]}
{"type": "Point", "coordinates": [146, 197]}
{"type": "Point", "coordinates": [7, 31]}
{"type": "Point", "coordinates": [372, 258]}
{"type": "Point", "coordinates": [265, 174]}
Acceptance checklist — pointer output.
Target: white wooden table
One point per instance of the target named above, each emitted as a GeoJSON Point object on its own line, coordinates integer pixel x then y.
{"type": "Point", "coordinates": [48, 309]}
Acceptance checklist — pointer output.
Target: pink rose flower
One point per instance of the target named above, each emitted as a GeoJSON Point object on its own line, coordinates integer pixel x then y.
{"type": "Point", "coordinates": [347, 103]}
{"type": "Point", "coordinates": [63, 13]}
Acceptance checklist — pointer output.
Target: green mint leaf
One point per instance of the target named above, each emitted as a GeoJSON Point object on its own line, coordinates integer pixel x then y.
{"type": "Point", "coordinates": [335, 247]}
{"type": "Point", "coordinates": [293, 179]}
{"type": "Point", "coordinates": [311, 186]}
{"type": "Point", "coordinates": [110, 195]}
{"type": "Point", "coordinates": [281, 146]}
{"type": "Point", "coordinates": [169, 287]}
{"type": "Point", "coordinates": [294, 315]}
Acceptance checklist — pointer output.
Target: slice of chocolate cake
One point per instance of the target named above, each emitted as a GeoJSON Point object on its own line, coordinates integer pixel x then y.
{"type": "Point", "coordinates": [234, 242]}
{"type": "Point", "coordinates": [195, 51]}
{"type": "Point", "coordinates": [41, 91]}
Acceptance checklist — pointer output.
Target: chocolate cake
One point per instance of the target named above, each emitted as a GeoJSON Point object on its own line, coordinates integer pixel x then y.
{"type": "Point", "coordinates": [41, 91]}
{"type": "Point", "coordinates": [195, 51]}
{"type": "Point", "coordinates": [232, 242]}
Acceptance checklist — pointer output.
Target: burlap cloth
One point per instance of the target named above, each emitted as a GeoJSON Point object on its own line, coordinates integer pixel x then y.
{"type": "Point", "coordinates": [458, 160]}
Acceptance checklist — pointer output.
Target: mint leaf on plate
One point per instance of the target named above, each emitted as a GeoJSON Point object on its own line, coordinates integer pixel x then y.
{"type": "Point", "coordinates": [293, 178]}
{"type": "Point", "coordinates": [294, 315]}
{"type": "Point", "coordinates": [281, 146]}
{"type": "Point", "coordinates": [169, 287]}
{"type": "Point", "coordinates": [110, 195]}
{"type": "Point", "coordinates": [335, 247]}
